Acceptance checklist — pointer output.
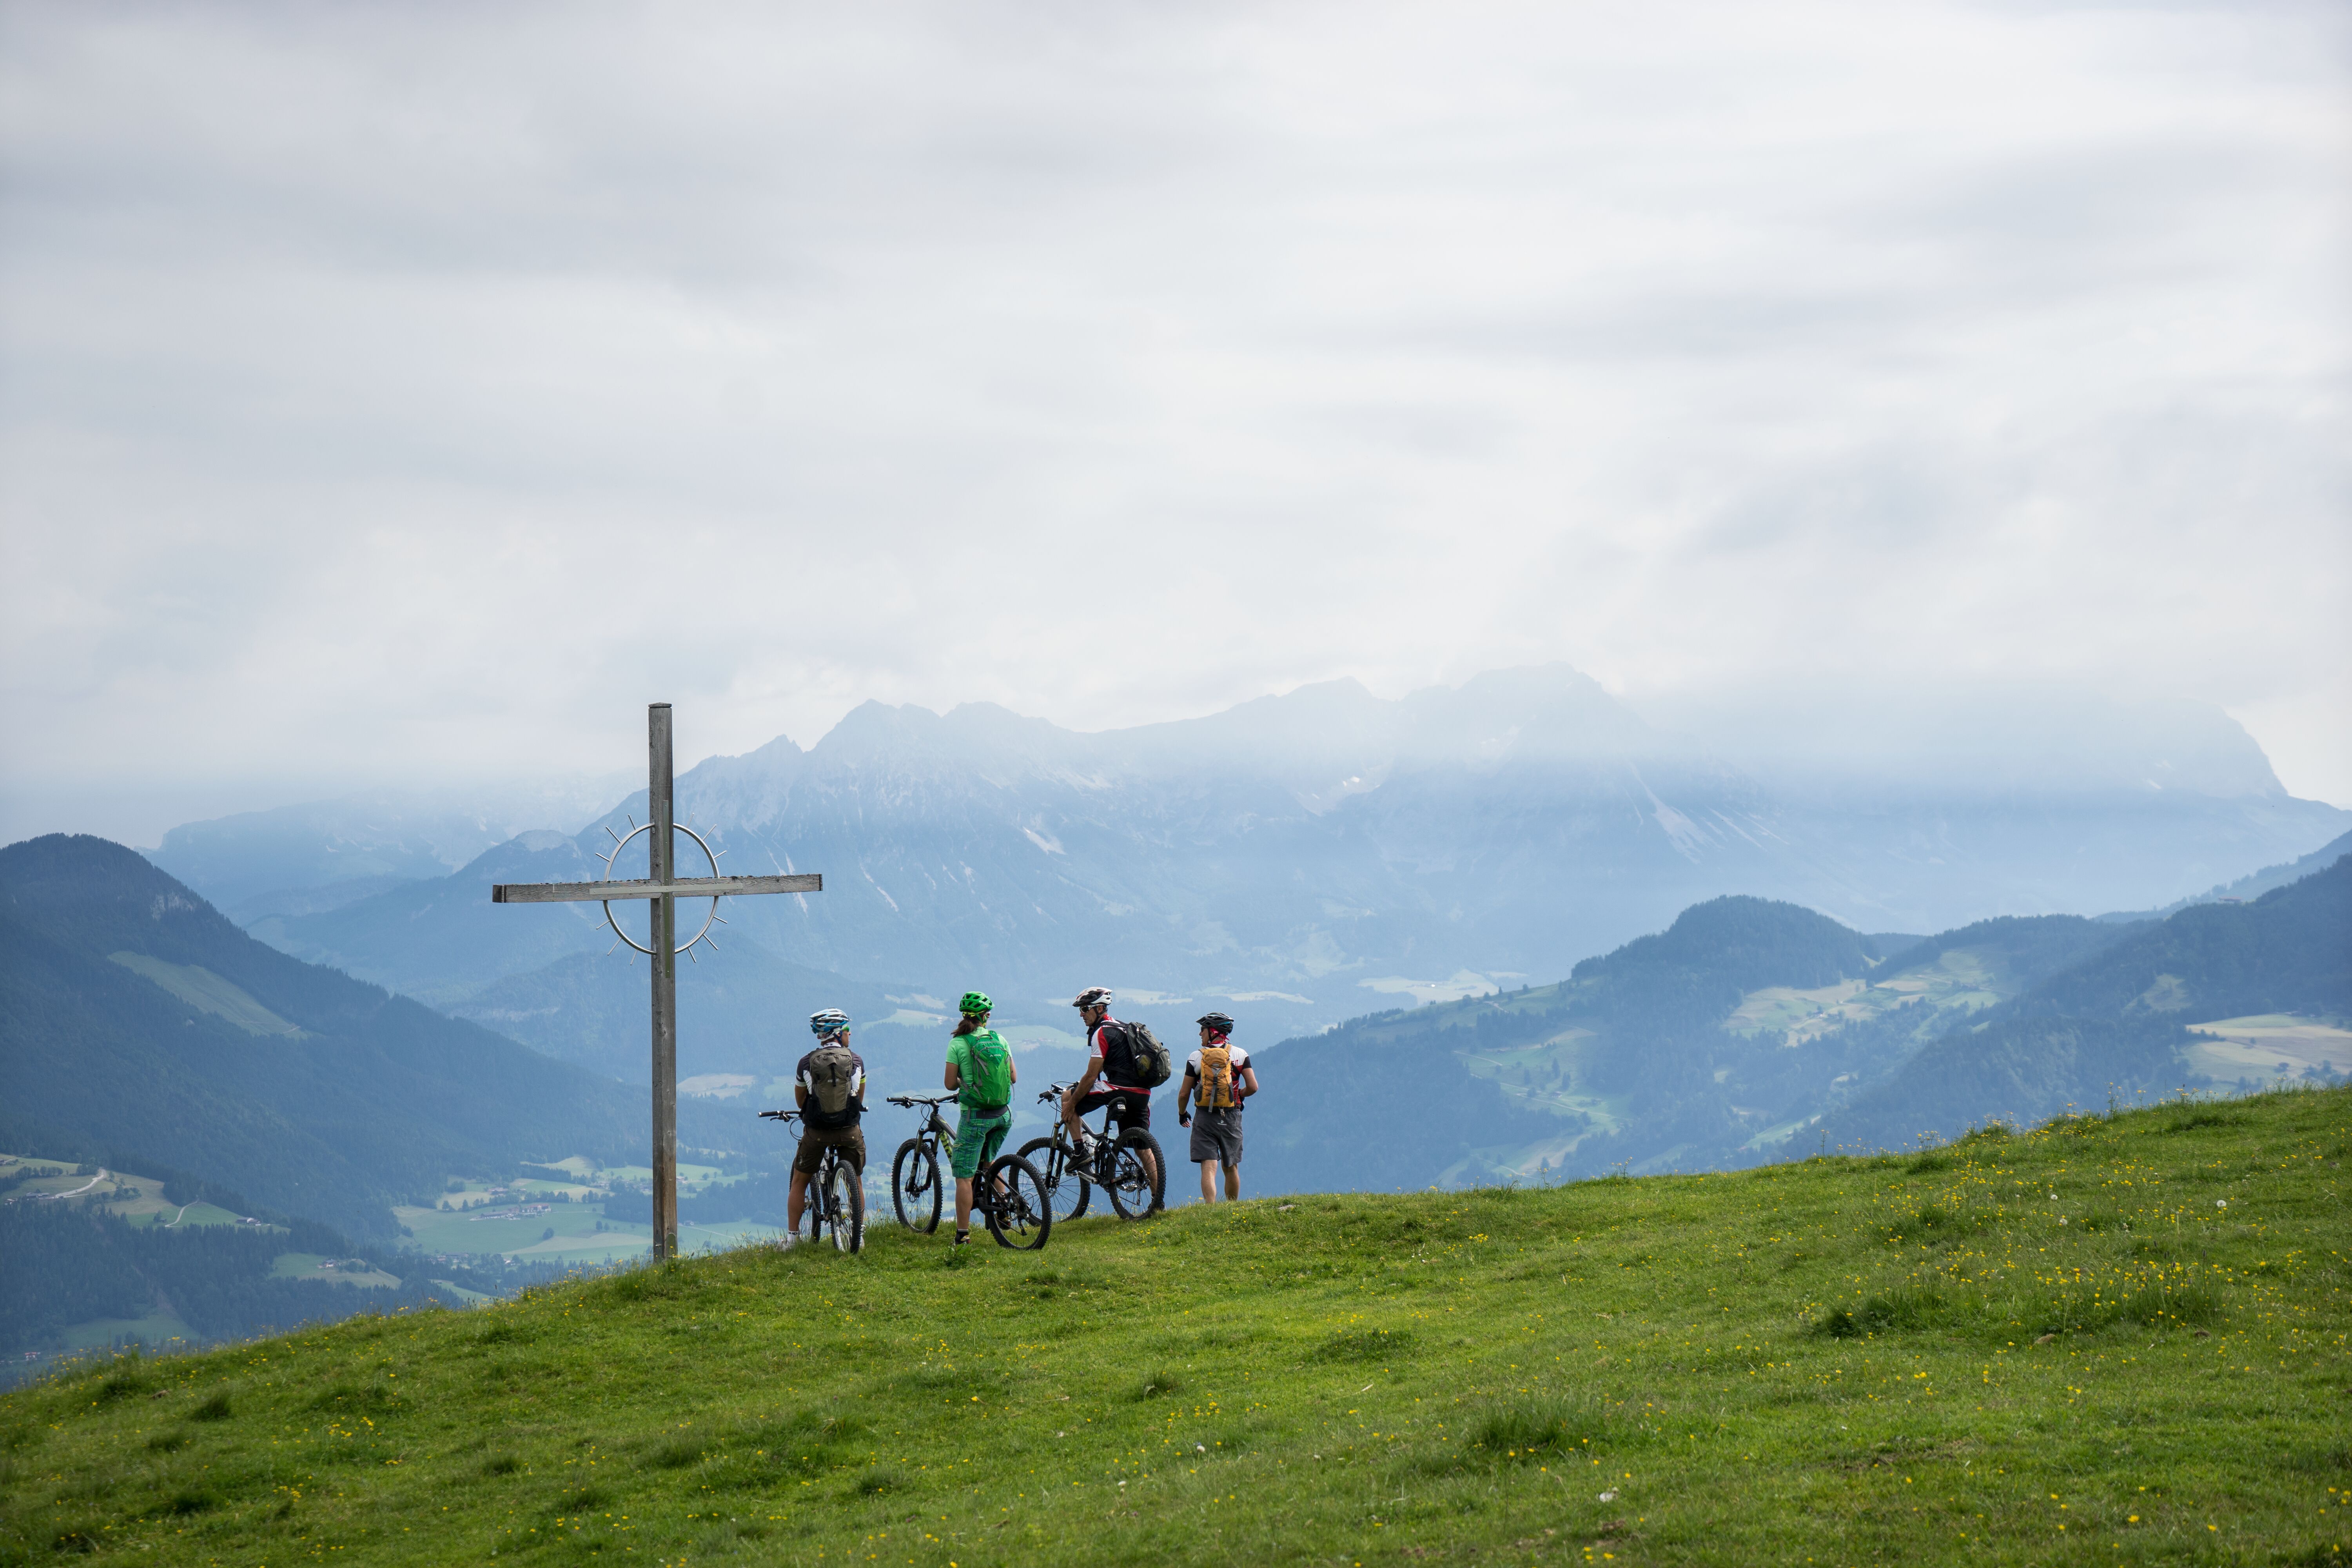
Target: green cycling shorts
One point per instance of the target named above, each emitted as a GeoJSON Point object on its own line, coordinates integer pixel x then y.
{"type": "Point", "coordinates": [978, 1138]}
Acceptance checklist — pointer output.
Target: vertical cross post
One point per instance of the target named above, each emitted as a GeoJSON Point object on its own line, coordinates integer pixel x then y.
{"type": "Point", "coordinates": [661, 891]}
{"type": "Point", "coordinates": [664, 941]}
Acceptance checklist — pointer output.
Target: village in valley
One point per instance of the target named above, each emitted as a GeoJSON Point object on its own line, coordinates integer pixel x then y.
{"type": "Point", "coordinates": [549, 1222]}
{"type": "Point", "coordinates": [570, 1214]}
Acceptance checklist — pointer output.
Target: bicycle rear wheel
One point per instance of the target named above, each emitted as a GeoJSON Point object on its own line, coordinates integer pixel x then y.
{"type": "Point", "coordinates": [845, 1203]}
{"type": "Point", "coordinates": [814, 1215]}
{"type": "Point", "coordinates": [1067, 1191]}
{"type": "Point", "coordinates": [1019, 1214]}
{"type": "Point", "coordinates": [1138, 1189]}
{"type": "Point", "coordinates": [915, 1186]}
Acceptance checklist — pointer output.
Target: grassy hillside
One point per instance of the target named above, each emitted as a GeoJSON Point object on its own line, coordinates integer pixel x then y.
{"type": "Point", "coordinates": [2115, 1340]}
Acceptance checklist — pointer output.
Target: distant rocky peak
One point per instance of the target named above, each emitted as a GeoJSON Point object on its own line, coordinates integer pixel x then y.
{"type": "Point", "coordinates": [1539, 711]}
{"type": "Point", "coordinates": [876, 728]}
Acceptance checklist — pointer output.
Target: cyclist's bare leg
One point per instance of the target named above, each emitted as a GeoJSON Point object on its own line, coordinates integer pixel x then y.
{"type": "Point", "coordinates": [963, 1204]}
{"type": "Point", "coordinates": [795, 1201]}
{"type": "Point", "coordinates": [1070, 1118]}
{"type": "Point", "coordinates": [1207, 1181]}
{"type": "Point", "coordinates": [1233, 1183]}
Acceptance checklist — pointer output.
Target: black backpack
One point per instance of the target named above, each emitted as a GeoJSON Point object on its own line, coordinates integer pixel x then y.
{"type": "Point", "coordinates": [1146, 1063]}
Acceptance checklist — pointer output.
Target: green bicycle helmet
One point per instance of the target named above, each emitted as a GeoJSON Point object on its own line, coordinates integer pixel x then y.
{"type": "Point", "coordinates": [975, 1002]}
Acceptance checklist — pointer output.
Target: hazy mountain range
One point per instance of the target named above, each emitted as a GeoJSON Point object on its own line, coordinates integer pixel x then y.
{"type": "Point", "coordinates": [1303, 858]}
{"type": "Point", "coordinates": [321, 855]}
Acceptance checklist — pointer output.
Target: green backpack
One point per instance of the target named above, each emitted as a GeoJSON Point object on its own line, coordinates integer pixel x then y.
{"type": "Point", "coordinates": [988, 1077]}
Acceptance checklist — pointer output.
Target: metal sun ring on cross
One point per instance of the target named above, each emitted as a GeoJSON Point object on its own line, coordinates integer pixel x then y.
{"type": "Point", "coordinates": [620, 844]}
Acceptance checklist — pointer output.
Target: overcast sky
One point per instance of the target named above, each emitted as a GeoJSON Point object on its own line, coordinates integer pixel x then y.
{"type": "Point", "coordinates": [410, 393]}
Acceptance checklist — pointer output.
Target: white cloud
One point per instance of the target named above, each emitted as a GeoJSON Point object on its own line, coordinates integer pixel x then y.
{"type": "Point", "coordinates": [397, 395]}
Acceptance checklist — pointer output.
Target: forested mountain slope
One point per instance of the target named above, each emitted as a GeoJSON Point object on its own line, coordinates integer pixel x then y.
{"type": "Point", "coordinates": [1714, 1043]}
{"type": "Point", "coordinates": [2116, 1023]}
{"type": "Point", "coordinates": [2021, 950]}
{"type": "Point", "coordinates": [2256, 883]}
{"type": "Point", "coordinates": [1627, 1061]}
{"type": "Point", "coordinates": [1750, 1028]}
{"type": "Point", "coordinates": [136, 1020]}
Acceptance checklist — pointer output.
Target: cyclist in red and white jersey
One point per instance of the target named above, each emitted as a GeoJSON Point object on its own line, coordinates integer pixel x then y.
{"type": "Point", "coordinates": [1109, 1078]}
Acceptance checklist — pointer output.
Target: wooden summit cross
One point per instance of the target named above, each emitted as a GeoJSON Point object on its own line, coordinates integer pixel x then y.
{"type": "Point", "coordinates": [661, 891]}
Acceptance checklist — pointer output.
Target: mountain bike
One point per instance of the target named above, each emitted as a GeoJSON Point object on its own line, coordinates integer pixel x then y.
{"type": "Point", "coordinates": [917, 1172]}
{"type": "Point", "coordinates": [1118, 1167]}
{"type": "Point", "coordinates": [836, 1194]}
{"type": "Point", "coordinates": [1010, 1198]}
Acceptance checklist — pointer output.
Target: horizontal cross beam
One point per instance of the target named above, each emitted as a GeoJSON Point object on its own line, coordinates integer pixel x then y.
{"type": "Point", "coordinates": [678, 887]}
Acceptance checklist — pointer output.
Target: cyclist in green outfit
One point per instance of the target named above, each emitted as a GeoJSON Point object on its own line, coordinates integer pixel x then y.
{"type": "Point", "coordinates": [980, 1070]}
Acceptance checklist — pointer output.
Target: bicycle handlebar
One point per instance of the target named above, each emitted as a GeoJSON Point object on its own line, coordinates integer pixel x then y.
{"type": "Point", "coordinates": [780, 1115]}
{"type": "Point", "coordinates": [910, 1100]}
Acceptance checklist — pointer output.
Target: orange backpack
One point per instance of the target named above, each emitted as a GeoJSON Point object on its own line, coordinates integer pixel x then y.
{"type": "Point", "coordinates": [1217, 1078]}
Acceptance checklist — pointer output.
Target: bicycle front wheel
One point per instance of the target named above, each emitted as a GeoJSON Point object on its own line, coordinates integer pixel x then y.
{"type": "Point", "coordinates": [1019, 1214]}
{"type": "Point", "coordinates": [915, 1186]}
{"type": "Point", "coordinates": [845, 1202]}
{"type": "Point", "coordinates": [1067, 1191]}
{"type": "Point", "coordinates": [1136, 1187]}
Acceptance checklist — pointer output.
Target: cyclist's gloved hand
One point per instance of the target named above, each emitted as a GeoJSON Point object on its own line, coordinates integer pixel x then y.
{"type": "Point", "coordinates": [1183, 1119]}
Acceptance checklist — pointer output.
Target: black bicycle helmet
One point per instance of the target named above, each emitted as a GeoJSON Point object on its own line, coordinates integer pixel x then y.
{"type": "Point", "coordinates": [1216, 1021]}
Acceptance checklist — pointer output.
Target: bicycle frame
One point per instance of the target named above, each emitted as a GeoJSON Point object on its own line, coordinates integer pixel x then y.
{"type": "Point", "coordinates": [1061, 1135]}
{"type": "Point", "coordinates": [1061, 1162]}
{"type": "Point", "coordinates": [931, 1126]}
{"type": "Point", "coordinates": [823, 1214]}
{"type": "Point", "coordinates": [920, 1180]}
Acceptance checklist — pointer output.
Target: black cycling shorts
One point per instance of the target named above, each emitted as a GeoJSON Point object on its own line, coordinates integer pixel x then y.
{"type": "Point", "coordinates": [1130, 1108]}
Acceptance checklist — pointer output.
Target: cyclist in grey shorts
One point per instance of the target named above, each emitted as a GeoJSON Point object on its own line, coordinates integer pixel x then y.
{"type": "Point", "coordinates": [1217, 1077]}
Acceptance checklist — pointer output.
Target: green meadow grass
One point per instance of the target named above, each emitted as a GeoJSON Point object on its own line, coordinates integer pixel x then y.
{"type": "Point", "coordinates": [2114, 1340]}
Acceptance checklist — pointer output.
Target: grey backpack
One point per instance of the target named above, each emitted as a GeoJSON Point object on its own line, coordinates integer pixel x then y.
{"type": "Point", "coordinates": [832, 1082]}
